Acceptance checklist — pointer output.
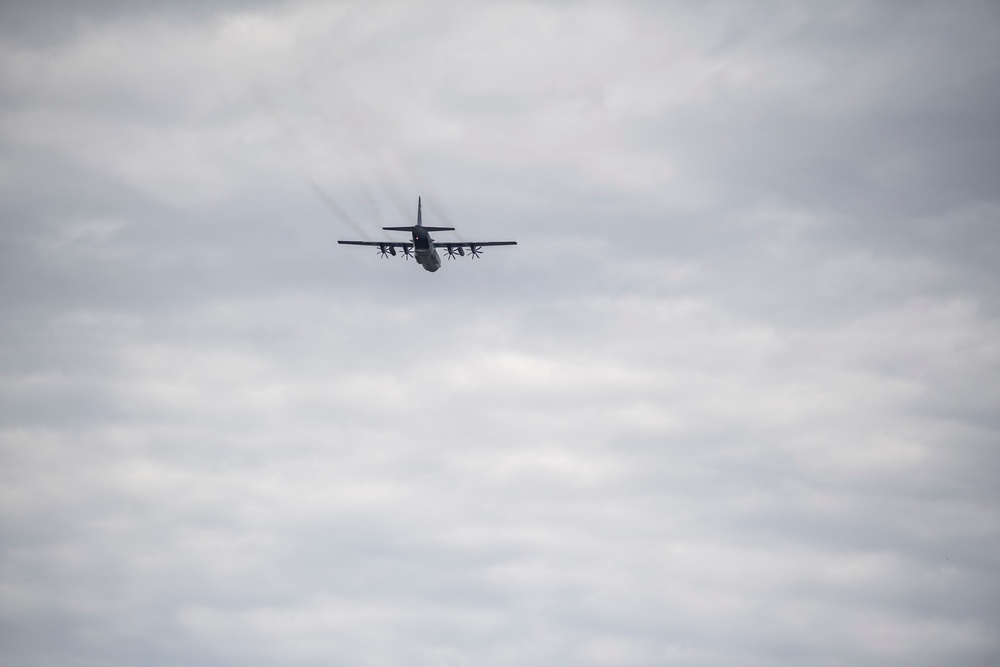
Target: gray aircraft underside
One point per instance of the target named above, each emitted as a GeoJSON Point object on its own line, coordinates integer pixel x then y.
{"type": "Point", "coordinates": [425, 249]}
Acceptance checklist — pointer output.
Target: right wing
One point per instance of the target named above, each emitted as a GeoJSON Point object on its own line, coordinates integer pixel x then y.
{"type": "Point", "coordinates": [470, 244]}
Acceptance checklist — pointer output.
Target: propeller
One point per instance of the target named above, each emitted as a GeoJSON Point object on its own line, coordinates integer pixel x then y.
{"type": "Point", "coordinates": [451, 252]}
{"type": "Point", "coordinates": [407, 252]}
{"type": "Point", "coordinates": [383, 251]}
{"type": "Point", "coordinates": [475, 250]}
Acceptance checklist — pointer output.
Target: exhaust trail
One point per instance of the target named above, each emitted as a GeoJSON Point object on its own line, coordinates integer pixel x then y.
{"type": "Point", "coordinates": [438, 210]}
{"type": "Point", "coordinates": [397, 185]}
{"type": "Point", "coordinates": [295, 154]}
{"type": "Point", "coordinates": [368, 194]}
{"type": "Point", "coordinates": [334, 207]}
{"type": "Point", "coordinates": [383, 173]}
{"type": "Point", "coordinates": [406, 178]}
{"type": "Point", "coordinates": [380, 175]}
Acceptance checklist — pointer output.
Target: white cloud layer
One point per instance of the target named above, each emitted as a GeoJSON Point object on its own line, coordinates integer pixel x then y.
{"type": "Point", "coordinates": [731, 401]}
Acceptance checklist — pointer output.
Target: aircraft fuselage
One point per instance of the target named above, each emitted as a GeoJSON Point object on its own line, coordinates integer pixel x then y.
{"type": "Point", "coordinates": [424, 251]}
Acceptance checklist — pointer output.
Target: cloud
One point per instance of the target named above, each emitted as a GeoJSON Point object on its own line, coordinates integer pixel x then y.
{"type": "Point", "coordinates": [728, 402]}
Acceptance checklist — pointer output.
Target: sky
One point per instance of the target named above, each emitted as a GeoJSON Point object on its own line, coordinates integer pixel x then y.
{"type": "Point", "coordinates": [733, 399]}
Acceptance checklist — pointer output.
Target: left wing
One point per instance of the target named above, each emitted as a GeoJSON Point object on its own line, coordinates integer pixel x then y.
{"type": "Point", "coordinates": [386, 248]}
{"type": "Point", "coordinates": [380, 244]}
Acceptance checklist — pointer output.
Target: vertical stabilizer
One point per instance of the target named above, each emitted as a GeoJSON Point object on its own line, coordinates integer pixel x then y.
{"type": "Point", "coordinates": [420, 224]}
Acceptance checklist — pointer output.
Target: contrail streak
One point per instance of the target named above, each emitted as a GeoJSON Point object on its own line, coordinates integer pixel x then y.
{"type": "Point", "coordinates": [336, 208]}
{"type": "Point", "coordinates": [295, 154]}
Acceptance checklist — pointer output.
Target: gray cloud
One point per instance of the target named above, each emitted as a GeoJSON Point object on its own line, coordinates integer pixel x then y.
{"type": "Point", "coordinates": [731, 401]}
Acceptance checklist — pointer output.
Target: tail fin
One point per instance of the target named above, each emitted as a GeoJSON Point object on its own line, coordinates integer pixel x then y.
{"type": "Point", "coordinates": [420, 224]}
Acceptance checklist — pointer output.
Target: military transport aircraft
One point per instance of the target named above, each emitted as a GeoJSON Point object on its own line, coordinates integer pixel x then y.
{"type": "Point", "coordinates": [423, 248]}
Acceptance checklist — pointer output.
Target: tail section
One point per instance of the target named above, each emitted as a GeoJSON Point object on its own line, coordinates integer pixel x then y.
{"type": "Point", "coordinates": [420, 224]}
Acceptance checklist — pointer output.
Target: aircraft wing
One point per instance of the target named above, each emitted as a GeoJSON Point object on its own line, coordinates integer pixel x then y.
{"type": "Point", "coordinates": [471, 244]}
{"type": "Point", "coordinates": [380, 244]}
{"type": "Point", "coordinates": [439, 244]}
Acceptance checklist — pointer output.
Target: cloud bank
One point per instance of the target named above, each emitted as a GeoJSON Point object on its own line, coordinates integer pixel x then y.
{"type": "Point", "coordinates": [731, 401]}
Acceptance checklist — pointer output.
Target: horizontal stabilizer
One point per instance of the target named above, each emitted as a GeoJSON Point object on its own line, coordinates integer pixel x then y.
{"type": "Point", "coordinates": [412, 228]}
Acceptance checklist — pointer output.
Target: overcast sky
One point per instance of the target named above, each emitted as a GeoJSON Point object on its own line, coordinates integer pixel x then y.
{"type": "Point", "coordinates": [733, 400]}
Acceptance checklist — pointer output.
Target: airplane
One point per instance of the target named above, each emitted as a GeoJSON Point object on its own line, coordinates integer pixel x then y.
{"type": "Point", "coordinates": [423, 248]}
